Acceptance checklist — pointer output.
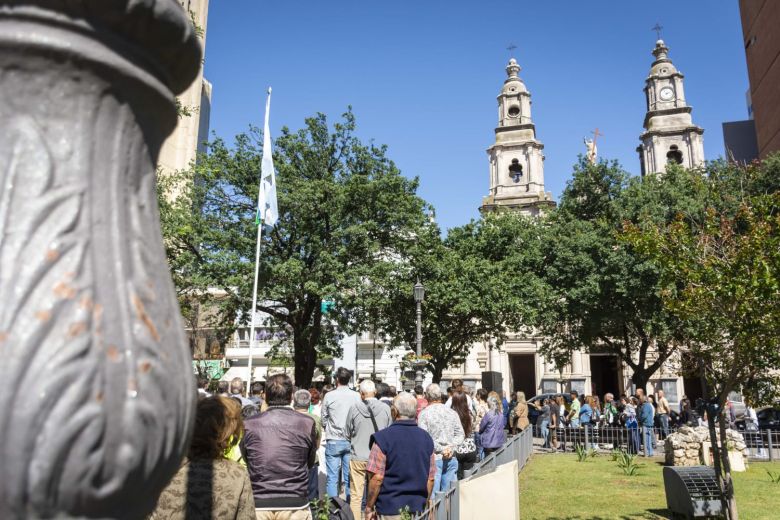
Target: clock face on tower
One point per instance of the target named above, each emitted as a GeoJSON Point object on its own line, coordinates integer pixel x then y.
{"type": "Point", "coordinates": [666, 94]}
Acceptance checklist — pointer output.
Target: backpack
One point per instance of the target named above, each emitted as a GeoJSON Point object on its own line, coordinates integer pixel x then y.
{"type": "Point", "coordinates": [338, 509]}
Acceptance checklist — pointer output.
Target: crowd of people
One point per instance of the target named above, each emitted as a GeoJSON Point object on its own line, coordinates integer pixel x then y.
{"type": "Point", "coordinates": [386, 452]}
{"type": "Point", "coordinates": [645, 418]}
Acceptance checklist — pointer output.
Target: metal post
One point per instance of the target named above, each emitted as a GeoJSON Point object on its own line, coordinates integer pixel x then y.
{"type": "Point", "coordinates": [771, 446]}
{"type": "Point", "coordinates": [91, 335]}
{"type": "Point", "coordinates": [419, 295]}
{"type": "Point", "coordinates": [373, 353]}
{"type": "Point", "coordinates": [418, 378]}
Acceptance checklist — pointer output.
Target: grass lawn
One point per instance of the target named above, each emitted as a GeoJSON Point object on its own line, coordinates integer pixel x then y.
{"type": "Point", "coordinates": [557, 487]}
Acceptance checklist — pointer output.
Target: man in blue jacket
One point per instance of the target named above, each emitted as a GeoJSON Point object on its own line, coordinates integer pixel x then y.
{"type": "Point", "coordinates": [645, 418]}
{"type": "Point", "coordinates": [401, 467]}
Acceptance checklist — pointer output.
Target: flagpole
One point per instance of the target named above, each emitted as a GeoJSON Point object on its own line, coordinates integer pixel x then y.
{"type": "Point", "coordinates": [259, 222]}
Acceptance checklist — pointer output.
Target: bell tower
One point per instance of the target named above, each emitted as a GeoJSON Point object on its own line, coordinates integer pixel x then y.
{"type": "Point", "coordinates": [670, 135]}
{"type": "Point", "coordinates": [516, 158]}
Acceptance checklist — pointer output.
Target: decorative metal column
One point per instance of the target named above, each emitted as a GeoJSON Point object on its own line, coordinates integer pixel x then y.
{"type": "Point", "coordinates": [419, 363]}
{"type": "Point", "coordinates": [97, 394]}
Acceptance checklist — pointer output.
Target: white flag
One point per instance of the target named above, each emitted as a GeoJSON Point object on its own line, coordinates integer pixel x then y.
{"type": "Point", "coordinates": [267, 211]}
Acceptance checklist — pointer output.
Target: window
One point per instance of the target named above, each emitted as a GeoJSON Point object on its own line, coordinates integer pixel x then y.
{"type": "Point", "coordinates": [515, 170]}
{"type": "Point", "coordinates": [549, 386]}
{"type": "Point", "coordinates": [514, 111]}
{"type": "Point", "coordinates": [577, 385]}
{"type": "Point", "coordinates": [670, 390]}
{"type": "Point", "coordinates": [674, 156]}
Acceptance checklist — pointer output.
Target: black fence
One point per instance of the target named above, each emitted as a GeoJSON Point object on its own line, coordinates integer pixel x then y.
{"type": "Point", "coordinates": [761, 445]}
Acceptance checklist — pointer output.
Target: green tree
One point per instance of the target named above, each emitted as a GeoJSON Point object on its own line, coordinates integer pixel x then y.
{"type": "Point", "coordinates": [601, 295]}
{"type": "Point", "coordinates": [345, 211]}
{"type": "Point", "coordinates": [720, 271]}
{"type": "Point", "coordinates": [471, 291]}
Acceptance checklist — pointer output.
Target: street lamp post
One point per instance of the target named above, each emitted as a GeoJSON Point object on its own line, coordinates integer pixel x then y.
{"type": "Point", "coordinates": [419, 296]}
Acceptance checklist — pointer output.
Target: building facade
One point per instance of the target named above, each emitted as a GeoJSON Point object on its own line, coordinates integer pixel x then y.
{"type": "Point", "coordinates": [760, 19]}
{"type": "Point", "coordinates": [516, 182]}
{"type": "Point", "coordinates": [183, 145]}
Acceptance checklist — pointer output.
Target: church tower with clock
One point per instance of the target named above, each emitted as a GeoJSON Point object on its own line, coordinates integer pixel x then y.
{"type": "Point", "coordinates": [516, 158]}
{"type": "Point", "coordinates": [670, 135]}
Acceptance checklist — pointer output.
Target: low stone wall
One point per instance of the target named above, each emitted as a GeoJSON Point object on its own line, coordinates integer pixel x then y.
{"type": "Point", "coordinates": [683, 448]}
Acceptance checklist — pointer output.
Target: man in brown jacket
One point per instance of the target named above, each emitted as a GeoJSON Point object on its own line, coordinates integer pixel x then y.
{"type": "Point", "coordinates": [280, 446]}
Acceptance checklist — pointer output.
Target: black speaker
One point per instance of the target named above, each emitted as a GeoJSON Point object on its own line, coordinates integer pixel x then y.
{"type": "Point", "coordinates": [492, 381]}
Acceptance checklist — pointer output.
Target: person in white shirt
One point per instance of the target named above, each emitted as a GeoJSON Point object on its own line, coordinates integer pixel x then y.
{"type": "Point", "coordinates": [457, 386]}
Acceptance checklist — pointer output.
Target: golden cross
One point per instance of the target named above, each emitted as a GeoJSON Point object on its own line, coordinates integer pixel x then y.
{"type": "Point", "coordinates": [596, 135]}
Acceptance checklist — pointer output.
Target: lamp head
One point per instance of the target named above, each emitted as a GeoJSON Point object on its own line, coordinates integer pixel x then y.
{"type": "Point", "coordinates": [419, 292]}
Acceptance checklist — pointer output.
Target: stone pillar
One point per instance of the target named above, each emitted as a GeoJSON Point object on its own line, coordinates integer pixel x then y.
{"type": "Point", "coordinates": [98, 395]}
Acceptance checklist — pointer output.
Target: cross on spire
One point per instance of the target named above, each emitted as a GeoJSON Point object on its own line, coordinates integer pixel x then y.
{"type": "Point", "coordinates": [657, 29]}
{"type": "Point", "coordinates": [511, 49]}
{"type": "Point", "coordinates": [596, 134]}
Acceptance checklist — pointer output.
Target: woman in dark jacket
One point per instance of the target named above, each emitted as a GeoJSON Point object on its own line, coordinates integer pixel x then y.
{"type": "Point", "coordinates": [209, 486]}
{"type": "Point", "coordinates": [491, 429]}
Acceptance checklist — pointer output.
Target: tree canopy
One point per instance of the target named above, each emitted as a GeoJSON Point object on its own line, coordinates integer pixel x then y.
{"type": "Point", "coordinates": [720, 271]}
{"type": "Point", "coordinates": [600, 294]}
{"type": "Point", "coordinates": [346, 216]}
{"type": "Point", "coordinates": [472, 291]}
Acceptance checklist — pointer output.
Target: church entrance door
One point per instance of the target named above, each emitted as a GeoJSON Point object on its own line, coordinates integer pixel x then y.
{"type": "Point", "coordinates": [604, 375]}
{"type": "Point", "coordinates": [523, 368]}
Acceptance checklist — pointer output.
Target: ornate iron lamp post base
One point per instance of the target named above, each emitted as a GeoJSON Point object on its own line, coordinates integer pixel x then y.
{"type": "Point", "coordinates": [98, 398]}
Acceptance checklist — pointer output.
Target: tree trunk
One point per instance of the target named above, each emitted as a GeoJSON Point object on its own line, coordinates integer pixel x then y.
{"type": "Point", "coordinates": [640, 378]}
{"type": "Point", "coordinates": [436, 372]}
{"type": "Point", "coordinates": [728, 483]}
{"type": "Point", "coordinates": [305, 357]}
{"type": "Point", "coordinates": [716, 458]}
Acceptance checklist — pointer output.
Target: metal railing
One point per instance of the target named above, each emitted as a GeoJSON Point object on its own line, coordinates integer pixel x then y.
{"type": "Point", "coordinates": [603, 437]}
{"type": "Point", "coordinates": [761, 445]}
{"type": "Point", "coordinates": [445, 506]}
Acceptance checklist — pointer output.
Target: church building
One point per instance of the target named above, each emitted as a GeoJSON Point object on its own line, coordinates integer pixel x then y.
{"type": "Point", "coordinates": [516, 182]}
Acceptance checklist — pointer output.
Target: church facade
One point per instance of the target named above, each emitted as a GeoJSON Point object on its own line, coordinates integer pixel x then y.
{"type": "Point", "coordinates": [516, 183]}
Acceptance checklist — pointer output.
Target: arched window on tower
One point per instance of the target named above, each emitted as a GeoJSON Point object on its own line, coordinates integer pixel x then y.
{"type": "Point", "coordinates": [515, 170]}
{"type": "Point", "coordinates": [674, 156]}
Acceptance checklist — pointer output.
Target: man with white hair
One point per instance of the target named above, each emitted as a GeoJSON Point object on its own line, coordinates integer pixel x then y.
{"type": "Point", "coordinates": [444, 427]}
{"type": "Point", "coordinates": [401, 466]}
{"type": "Point", "coordinates": [365, 418]}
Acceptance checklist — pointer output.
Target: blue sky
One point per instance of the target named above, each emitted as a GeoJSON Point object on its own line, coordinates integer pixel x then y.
{"type": "Point", "coordinates": [423, 76]}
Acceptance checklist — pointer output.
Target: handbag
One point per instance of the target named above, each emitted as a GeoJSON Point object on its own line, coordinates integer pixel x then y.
{"type": "Point", "coordinates": [467, 446]}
